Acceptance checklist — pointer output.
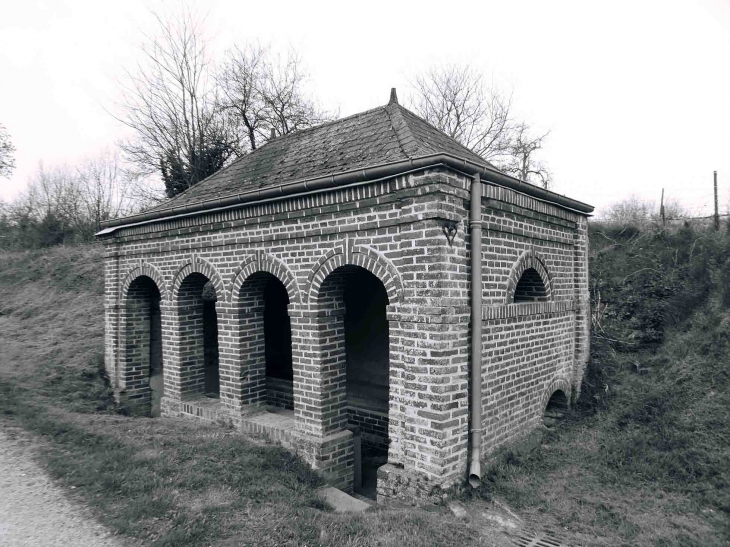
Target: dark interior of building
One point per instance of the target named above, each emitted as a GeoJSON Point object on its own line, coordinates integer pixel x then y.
{"type": "Point", "coordinates": [367, 349]}
{"type": "Point", "coordinates": [277, 331]}
{"type": "Point", "coordinates": [210, 342]}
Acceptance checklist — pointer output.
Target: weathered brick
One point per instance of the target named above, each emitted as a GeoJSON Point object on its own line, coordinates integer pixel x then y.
{"type": "Point", "coordinates": [394, 229]}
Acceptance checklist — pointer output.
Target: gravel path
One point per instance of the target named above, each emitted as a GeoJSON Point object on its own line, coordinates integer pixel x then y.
{"type": "Point", "coordinates": [33, 510]}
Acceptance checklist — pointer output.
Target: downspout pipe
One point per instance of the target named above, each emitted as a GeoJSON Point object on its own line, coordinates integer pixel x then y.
{"type": "Point", "coordinates": [475, 225]}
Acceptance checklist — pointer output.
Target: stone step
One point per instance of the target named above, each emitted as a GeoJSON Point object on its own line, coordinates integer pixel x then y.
{"type": "Point", "coordinates": [342, 502]}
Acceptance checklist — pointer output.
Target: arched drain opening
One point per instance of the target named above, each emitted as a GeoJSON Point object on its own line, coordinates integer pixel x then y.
{"type": "Point", "coordinates": [538, 540]}
{"type": "Point", "coordinates": [556, 408]}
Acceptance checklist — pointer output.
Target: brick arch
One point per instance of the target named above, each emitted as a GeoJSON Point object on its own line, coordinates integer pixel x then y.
{"type": "Point", "coordinates": [195, 264]}
{"type": "Point", "coordinates": [558, 384]}
{"type": "Point", "coordinates": [356, 255]}
{"type": "Point", "coordinates": [262, 262]}
{"type": "Point", "coordinates": [528, 259]}
{"type": "Point", "coordinates": [143, 269]}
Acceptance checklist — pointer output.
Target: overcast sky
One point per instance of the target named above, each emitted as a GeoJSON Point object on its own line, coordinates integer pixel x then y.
{"type": "Point", "coordinates": [636, 94]}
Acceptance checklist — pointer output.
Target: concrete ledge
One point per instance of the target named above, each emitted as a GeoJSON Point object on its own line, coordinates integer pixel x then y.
{"type": "Point", "coordinates": [342, 502]}
{"type": "Point", "coordinates": [509, 311]}
{"type": "Point", "coordinates": [202, 409]}
{"type": "Point", "coordinates": [275, 426]}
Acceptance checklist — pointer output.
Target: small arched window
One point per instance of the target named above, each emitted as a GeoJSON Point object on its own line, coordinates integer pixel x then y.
{"type": "Point", "coordinates": [530, 287]}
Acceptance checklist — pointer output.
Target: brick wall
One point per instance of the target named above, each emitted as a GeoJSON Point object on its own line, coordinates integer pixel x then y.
{"type": "Point", "coordinates": [530, 347]}
{"type": "Point", "coordinates": [396, 230]}
{"type": "Point", "coordinates": [523, 355]}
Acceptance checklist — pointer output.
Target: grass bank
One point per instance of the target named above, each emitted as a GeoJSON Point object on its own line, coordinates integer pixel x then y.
{"type": "Point", "coordinates": [644, 458]}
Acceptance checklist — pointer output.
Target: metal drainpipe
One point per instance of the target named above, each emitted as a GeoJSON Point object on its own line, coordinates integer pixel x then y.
{"type": "Point", "coordinates": [475, 224]}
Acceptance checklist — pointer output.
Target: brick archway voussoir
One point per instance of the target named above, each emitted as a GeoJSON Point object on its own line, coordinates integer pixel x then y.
{"type": "Point", "coordinates": [195, 264]}
{"type": "Point", "coordinates": [558, 384]}
{"type": "Point", "coordinates": [528, 259]}
{"type": "Point", "coordinates": [262, 262]}
{"type": "Point", "coordinates": [359, 255]}
{"type": "Point", "coordinates": [148, 270]}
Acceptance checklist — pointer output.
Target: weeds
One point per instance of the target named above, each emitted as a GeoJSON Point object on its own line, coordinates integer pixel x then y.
{"type": "Point", "coordinates": [643, 457]}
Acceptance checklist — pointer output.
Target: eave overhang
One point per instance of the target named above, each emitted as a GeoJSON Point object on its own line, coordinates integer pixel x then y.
{"type": "Point", "coordinates": [346, 178]}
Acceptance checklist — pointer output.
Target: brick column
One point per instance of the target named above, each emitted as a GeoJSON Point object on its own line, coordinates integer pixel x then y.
{"type": "Point", "coordinates": [134, 362]}
{"type": "Point", "coordinates": [190, 336]}
{"type": "Point", "coordinates": [182, 344]}
{"type": "Point", "coordinates": [320, 393]}
{"type": "Point", "coordinates": [242, 347]}
{"type": "Point", "coordinates": [396, 387]}
{"type": "Point", "coordinates": [583, 306]}
{"type": "Point", "coordinates": [318, 355]}
{"type": "Point", "coordinates": [229, 356]}
{"type": "Point", "coordinates": [111, 313]}
{"type": "Point", "coordinates": [429, 366]}
{"type": "Point", "coordinates": [170, 405]}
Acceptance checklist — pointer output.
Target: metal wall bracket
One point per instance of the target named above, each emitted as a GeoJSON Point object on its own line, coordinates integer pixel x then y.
{"type": "Point", "coordinates": [450, 230]}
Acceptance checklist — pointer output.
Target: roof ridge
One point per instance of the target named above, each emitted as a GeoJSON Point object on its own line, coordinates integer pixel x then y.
{"type": "Point", "coordinates": [396, 131]}
{"type": "Point", "coordinates": [315, 127]}
{"type": "Point", "coordinates": [419, 118]}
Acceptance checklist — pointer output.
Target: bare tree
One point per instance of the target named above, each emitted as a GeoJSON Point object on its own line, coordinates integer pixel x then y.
{"type": "Point", "coordinates": [55, 191]}
{"type": "Point", "coordinates": [64, 204]}
{"type": "Point", "coordinates": [265, 93]}
{"type": "Point", "coordinates": [631, 210]}
{"type": "Point", "coordinates": [457, 100]}
{"type": "Point", "coordinates": [520, 160]}
{"type": "Point", "coordinates": [7, 160]}
{"type": "Point", "coordinates": [240, 84]}
{"type": "Point", "coordinates": [170, 102]}
{"type": "Point", "coordinates": [105, 191]}
{"type": "Point", "coordinates": [51, 206]}
{"type": "Point", "coordinates": [634, 210]}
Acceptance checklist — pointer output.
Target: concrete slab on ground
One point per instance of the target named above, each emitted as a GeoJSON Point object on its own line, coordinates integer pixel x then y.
{"type": "Point", "coordinates": [342, 502]}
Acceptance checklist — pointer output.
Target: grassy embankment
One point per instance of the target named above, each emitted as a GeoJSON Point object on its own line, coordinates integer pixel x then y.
{"type": "Point", "coordinates": [160, 482]}
{"type": "Point", "coordinates": [643, 460]}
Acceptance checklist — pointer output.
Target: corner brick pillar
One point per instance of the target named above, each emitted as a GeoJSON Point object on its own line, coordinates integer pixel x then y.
{"type": "Point", "coordinates": [396, 387]}
{"type": "Point", "coordinates": [429, 357]}
{"type": "Point", "coordinates": [428, 392]}
{"type": "Point", "coordinates": [134, 341]}
{"type": "Point", "coordinates": [320, 393]}
{"type": "Point", "coordinates": [582, 305]}
{"type": "Point", "coordinates": [111, 313]}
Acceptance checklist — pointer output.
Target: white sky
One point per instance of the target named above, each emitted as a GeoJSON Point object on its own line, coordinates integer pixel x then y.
{"type": "Point", "coordinates": [636, 94]}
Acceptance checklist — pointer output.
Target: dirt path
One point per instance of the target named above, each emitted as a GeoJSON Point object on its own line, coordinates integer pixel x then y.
{"type": "Point", "coordinates": [33, 510]}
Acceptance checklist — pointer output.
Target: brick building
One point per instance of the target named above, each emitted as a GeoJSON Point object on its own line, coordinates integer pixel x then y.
{"type": "Point", "coordinates": [318, 291]}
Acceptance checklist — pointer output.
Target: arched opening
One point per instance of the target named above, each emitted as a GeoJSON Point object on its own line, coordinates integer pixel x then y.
{"type": "Point", "coordinates": [143, 351]}
{"type": "Point", "coordinates": [358, 300]}
{"type": "Point", "coordinates": [198, 329]}
{"type": "Point", "coordinates": [556, 408]}
{"type": "Point", "coordinates": [265, 338]}
{"type": "Point", "coordinates": [530, 287]}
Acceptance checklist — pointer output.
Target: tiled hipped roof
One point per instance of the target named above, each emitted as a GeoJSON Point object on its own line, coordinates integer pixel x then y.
{"type": "Point", "coordinates": [383, 135]}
